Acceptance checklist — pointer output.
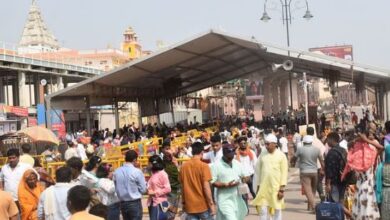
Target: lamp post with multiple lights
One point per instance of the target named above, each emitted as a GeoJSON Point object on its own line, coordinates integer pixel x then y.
{"type": "Point", "coordinates": [286, 18]}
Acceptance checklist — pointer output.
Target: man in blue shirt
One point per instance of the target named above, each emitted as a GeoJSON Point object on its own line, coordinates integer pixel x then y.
{"type": "Point", "coordinates": [130, 185]}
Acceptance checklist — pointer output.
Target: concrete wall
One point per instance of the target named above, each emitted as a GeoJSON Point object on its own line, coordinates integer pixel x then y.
{"type": "Point", "coordinates": [106, 120]}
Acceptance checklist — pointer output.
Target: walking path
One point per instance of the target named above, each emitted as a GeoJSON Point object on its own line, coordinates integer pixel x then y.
{"type": "Point", "coordinates": [296, 206]}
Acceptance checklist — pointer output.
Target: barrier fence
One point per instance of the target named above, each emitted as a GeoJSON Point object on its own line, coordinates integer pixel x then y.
{"type": "Point", "coordinates": [115, 155]}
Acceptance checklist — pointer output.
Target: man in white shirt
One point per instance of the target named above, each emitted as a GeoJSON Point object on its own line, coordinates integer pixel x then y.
{"type": "Point", "coordinates": [26, 157]}
{"type": "Point", "coordinates": [248, 160]}
{"type": "Point", "coordinates": [254, 142]}
{"type": "Point", "coordinates": [52, 202]}
{"type": "Point", "coordinates": [12, 173]}
{"type": "Point", "coordinates": [283, 143]}
{"type": "Point", "coordinates": [297, 139]}
{"type": "Point", "coordinates": [318, 144]}
{"type": "Point", "coordinates": [216, 153]}
{"type": "Point", "coordinates": [71, 151]}
{"type": "Point", "coordinates": [81, 150]}
{"type": "Point", "coordinates": [225, 134]}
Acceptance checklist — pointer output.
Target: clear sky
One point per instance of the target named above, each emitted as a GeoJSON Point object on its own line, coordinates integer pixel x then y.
{"type": "Point", "coordinates": [93, 24]}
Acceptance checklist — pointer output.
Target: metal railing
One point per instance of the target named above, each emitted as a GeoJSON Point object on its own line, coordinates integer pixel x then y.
{"type": "Point", "coordinates": [9, 52]}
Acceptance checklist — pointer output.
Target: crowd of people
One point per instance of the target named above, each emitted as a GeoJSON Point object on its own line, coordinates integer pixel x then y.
{"type": "Point", "coordinates": [226, 171]}
{"type": "Point", "coordinates": [351, 164]}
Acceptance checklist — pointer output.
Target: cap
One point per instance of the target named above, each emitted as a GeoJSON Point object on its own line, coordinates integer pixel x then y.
{"type": "Point", "coordinates": [228, 148]}
{"type": "Point", "coordinates": [308, 139]}
{"type": "Point", "coordinates": [271, 138]}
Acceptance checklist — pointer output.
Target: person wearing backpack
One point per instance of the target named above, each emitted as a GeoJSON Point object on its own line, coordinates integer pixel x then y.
{"type": "Point", "coordinates": [334, 166]}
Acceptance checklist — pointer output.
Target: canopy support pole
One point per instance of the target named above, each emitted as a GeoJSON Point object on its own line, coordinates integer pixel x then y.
{"type": "Point", "coordinates": [48, 112]}
{"type": "Point", "coordinates": [172, 112]}
{"type": "Point", "coordinates": [139, 115]}
{"type": "Point", "coordinates": [158, 112]}
{"type": "Point", "coordinates": [116, 116]}
{"type": "Point", "coordinates": [88, 112]}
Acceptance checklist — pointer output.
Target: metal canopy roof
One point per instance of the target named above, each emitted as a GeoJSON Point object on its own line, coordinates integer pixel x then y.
{"type": "Point", "coordinates": [205, 60]}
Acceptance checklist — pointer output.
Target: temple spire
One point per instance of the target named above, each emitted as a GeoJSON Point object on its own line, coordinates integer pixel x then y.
{"type": "Point", "coordinates": [36, 37]}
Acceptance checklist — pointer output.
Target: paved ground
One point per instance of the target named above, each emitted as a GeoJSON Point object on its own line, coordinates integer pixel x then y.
{"type": "Point", "coordinates": [295, 203]}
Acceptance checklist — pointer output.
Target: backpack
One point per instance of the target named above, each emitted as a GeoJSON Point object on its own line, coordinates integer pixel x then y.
{"type": "Point", "coordinates": [351, 177]}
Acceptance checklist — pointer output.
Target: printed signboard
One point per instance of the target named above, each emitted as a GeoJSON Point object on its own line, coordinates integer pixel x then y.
{"type": "Point", "coordinates": [343, 52]}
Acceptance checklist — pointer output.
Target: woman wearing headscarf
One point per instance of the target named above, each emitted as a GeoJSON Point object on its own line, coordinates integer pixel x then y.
{"type": "Point", "coordinates": [28, 193]}
{"type": "Point", "coordinates": [383, 185]}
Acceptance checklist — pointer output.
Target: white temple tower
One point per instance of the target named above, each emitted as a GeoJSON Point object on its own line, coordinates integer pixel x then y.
{"type": "Point", "coordinates": [36, 37]}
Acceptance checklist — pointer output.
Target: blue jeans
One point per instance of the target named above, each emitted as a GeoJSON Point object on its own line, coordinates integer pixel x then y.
{"type": "Point", "coordinates": [200, 216]}
{"type": "Point", "coordinates": [337, 193]}
{"type": "Point", "coordinates": [156, 213]}
{"type": "Point", "coordinates": [132, 210]}
{"type": "Point", "coordinates": [113, 211]}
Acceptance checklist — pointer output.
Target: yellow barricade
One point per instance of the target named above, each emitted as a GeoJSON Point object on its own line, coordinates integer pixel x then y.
{"type": "Point", "coordinates": [3, 161]}
{"type": "Point", "coordinates": [41, 158]}
{"type": "Point", "coordinates": [52, 167]}
{"type": "Point", "coordinates": [115, 162]}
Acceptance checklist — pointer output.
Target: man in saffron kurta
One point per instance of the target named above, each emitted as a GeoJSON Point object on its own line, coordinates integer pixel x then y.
{"type": "Point", "coordinates": [271, 170]}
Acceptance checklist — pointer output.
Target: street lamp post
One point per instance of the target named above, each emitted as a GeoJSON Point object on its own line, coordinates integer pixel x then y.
{"type": "Point", "coordinates": [305, 84]}
{"type": "Point", "coordinates": [286, 18]}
